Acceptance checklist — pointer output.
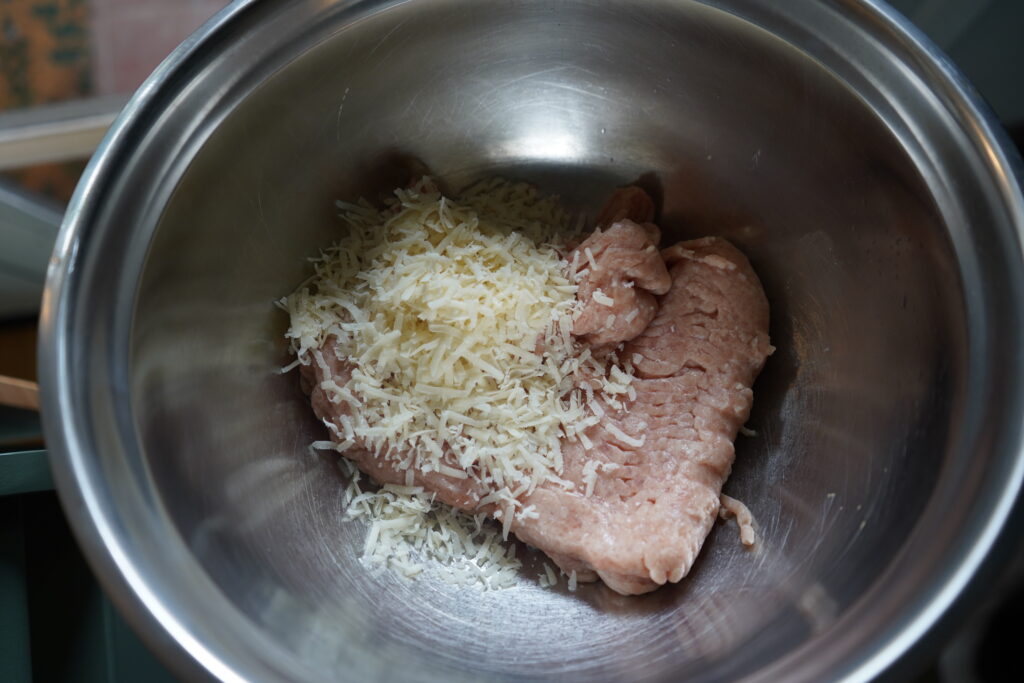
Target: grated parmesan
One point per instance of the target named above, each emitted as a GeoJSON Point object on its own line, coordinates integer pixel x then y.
{"type": "Point", "coordinates": [410, 533]}
{"type": "Point", "coordinates": [603, 299]}
{"type": "Point", "coordinates": [551, 576]}
{"type": "Point", "coordinates": [439, 306]}
{"type": "Point", "coordinates": [590, 470]}
{"type": "Point", "coordinates": [454, 318]}
{"type": "Point", "coordinates": [624, 437]}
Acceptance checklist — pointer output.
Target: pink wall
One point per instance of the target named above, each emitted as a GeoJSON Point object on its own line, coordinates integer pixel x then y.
{"type": "Point", "coordinates": [131, 37]}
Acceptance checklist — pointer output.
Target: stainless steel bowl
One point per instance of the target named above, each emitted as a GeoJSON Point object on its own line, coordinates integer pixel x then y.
{"type": "Point", "coordinates": [872, 192]}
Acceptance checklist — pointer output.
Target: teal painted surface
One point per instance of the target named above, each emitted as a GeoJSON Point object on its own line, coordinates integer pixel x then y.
{"type": "Point", "coordinates": [17, 427]}
{"type": "Point", "coordinates": [985, 38]}
{"type": "Point", "coordinates": [15, 659]}
{"type": "Point", "coordinates": [28, 228]}
{"type": "Point", "coordinates": [24, 472]}
{"type": "Point", "coordinates": [56, 624]}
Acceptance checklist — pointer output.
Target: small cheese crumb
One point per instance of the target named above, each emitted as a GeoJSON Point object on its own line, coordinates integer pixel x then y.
{"type": "Point", "coordinates": [550, 573]}
{"type": "Point", "coordinates": [623, 437]}
{"type": "Point", "coordinates": [590, 470]}
{"type": "Point", "coordinates": [603, 299]}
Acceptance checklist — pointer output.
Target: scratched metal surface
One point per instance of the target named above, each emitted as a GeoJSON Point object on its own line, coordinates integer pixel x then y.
{"type": "Point", "coordinates": [869, 477]}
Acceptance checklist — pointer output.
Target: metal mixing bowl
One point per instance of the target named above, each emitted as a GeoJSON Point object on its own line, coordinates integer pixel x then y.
{"type": "Point", "coordinates": [871, 191]}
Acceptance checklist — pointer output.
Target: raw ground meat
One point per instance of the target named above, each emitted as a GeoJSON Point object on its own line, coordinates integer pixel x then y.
{"type": "Point", "coordinates": [697, 342]}
{"type": "Point", "coordinates": [695, 363]}
{"type": "Point", "coordinates": [630, 272]}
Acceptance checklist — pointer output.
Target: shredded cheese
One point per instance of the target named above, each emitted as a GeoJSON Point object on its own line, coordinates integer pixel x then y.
{"type": "Point", "coordinates": [452, 323]}
{"type": "Point", "coordinates": [409, 533]}
{"type": "Point", "coordinates": [439, 307]}
{"type": "Point", "coordinates": [590, 470]}
{"type": "Point", "coordinates": [623, 437]}
{"type": "Point", "coordinates": [603, 299]}
{"type": "Point", "coordinates": [549, 572]}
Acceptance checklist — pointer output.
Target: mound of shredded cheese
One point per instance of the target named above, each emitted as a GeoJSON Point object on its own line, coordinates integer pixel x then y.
{"type": "Point", "coordinates": [409, 533]}
{"type": "Point", "coordinates": [455, 318]}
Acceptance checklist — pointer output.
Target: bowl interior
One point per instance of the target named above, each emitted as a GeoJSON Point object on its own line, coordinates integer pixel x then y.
{"type": "Point", "coordinates": [740, 132]}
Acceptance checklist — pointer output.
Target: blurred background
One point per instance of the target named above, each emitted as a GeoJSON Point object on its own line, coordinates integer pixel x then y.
{"type": "Point", "coordinates": [66, 68]}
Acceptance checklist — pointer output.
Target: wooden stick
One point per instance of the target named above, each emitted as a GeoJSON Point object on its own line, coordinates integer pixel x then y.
{"type": "Point", "coordinates": [19, 393]}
